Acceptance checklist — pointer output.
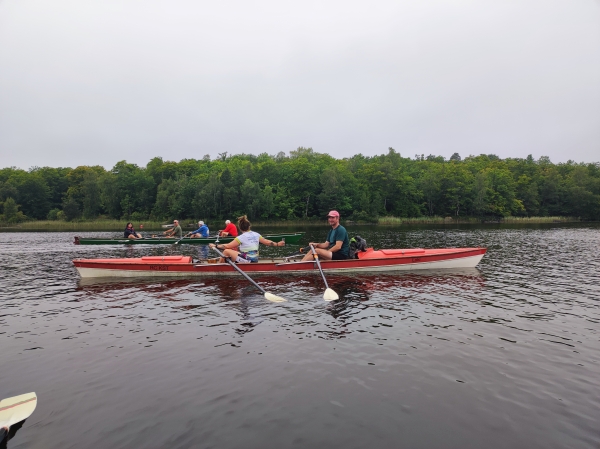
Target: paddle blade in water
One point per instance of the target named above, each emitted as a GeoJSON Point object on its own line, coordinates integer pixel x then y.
{"type": "Point", "coordinates": [274, 298]}
{"type": "Point", "coordinates": [330, 295]}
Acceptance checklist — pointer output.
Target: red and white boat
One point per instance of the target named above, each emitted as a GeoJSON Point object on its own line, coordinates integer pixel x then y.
{"type": "Point", "coordinates": [385, 260]}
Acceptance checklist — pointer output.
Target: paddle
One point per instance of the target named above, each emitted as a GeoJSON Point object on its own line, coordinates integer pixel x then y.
{"type": "Point", "coordinates": [16, 409]}
{"type": "Point", "coordinates": [181, 239]}
{"type": "Point", "coordinates": [269, 296]}
{"type": "Point", "coordinates": [329, 294]}
{"type": "Point", "coordinates": [299, 253]}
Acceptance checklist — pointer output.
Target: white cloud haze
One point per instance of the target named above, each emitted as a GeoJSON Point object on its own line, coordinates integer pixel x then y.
{"type": "Point", "coordinates": [91, 83]}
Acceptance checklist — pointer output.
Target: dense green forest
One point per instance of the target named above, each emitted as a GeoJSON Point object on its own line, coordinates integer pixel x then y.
{"type": "Point", "coordinates": [304, 185]}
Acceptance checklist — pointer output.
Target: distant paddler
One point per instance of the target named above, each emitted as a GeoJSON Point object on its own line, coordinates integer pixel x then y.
{"type": "Point", "coordinates": [130, 232]}
{"type": "Point", "coordinates": [201, 232]}
{"type": "Point", "coordinates": [244, 248]}
{"type": "Point", "coordinates": [175, 231]}
{"type": "Point", "coordinates": [230, 230]}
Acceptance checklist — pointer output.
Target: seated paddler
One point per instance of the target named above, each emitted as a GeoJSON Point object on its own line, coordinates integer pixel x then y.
{"type": "Point", "coordinates": [175, 231]}
{"type": "Point", "coordinates": [244, 248]}
{"type": "Point", "coordinates": [230, 230]}
{"type": "Point", "coordinates": [130, 232]}
{"type": "Point", "coordinates": [337, 244]}
{"type": "Point", "coordinates": [201, 232]}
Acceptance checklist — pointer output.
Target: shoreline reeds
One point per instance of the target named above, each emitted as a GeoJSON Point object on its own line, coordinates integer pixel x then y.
{"type": "Point", "coordinates": [119, 225]}
{"type": "Point", "coordinates": [474, 220]}
{"type": "Point", "coordinates": [92, 225]}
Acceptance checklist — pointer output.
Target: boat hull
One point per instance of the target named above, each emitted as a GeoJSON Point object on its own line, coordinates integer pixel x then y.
{"type": "Point", "coordinates": [293, 238]}
{"type": "Point", "coordinates": [183, 266]}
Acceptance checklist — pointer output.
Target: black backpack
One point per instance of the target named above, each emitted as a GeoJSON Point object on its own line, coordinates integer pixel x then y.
{"type": "Point", "coordinates": [357, 244]}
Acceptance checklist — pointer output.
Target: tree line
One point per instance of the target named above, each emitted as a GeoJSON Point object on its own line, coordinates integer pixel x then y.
{"type": "Point", "coordinates": [304, 185]}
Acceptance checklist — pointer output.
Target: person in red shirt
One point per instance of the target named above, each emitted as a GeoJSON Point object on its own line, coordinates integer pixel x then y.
{"type": "Point", "coordinates": [230, 229]}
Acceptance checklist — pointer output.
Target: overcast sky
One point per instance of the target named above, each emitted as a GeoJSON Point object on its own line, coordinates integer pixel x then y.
{"type": "Point", "coordinates": [94, 82]}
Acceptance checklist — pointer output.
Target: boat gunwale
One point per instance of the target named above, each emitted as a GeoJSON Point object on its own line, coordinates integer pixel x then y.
{"type": "Point", "coordinates": [275, 262]}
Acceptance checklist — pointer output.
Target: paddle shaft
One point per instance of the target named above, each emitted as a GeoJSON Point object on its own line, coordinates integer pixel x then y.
{"type": "Point", "coordinates": [184, 236]}
{"type": "Point", "coordinates": [232, 263]}
{"type": "Point", "coordinates": [294, 256]}
{"type": "Point", "coordinates": [316, 257]}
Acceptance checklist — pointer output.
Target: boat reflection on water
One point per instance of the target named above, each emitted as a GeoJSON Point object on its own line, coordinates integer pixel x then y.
{"type": "Point", "coordinates": [349, 287]}
{"type": "Point", "coordinates": [397, 290]}
{"type": "Point", "coordinates": [202, 298]}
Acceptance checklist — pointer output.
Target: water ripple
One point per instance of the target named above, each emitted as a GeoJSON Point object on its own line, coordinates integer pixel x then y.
{"type": "Point", "coordinates": [507, 355]}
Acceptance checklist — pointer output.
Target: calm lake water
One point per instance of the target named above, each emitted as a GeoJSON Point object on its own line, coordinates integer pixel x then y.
{"type": "Point", "coordinates": [507, 356]}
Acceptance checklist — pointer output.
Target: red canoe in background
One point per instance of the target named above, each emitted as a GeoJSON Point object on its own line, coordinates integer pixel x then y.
{"type": "Point", "coordinates": [385, 260]}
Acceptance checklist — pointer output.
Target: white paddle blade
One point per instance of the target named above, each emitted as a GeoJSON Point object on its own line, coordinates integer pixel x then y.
{"type": "Point", "coordinates": [16, 409]}
{"type": "Point", "coordinates": [330, 295]}
{"type": "Point", "coordinates": [274, 298]}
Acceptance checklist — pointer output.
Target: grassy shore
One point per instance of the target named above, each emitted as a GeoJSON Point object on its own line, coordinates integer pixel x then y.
{"type": "Point", "coordinates": [118, 225]}
{"type": "Point", "coordinates": [474, 220]}
{"type": "Point", "coordinates": [65, 226]}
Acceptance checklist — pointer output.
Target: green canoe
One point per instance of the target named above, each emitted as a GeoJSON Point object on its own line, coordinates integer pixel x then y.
{"type": "Point", "coordinates": [289, 238]}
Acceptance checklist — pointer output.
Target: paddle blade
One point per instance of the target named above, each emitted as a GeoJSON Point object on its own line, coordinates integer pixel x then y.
{"type": "Point", "coordinates": [17, 408]}
{"type": "Point", "coordinates": [274, 298]}
{"type": "Point", "coordinates": [330, 295]}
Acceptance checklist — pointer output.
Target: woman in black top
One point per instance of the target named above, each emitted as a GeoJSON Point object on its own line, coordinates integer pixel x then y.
{"type": "Point", "coordinates": [130, 232]}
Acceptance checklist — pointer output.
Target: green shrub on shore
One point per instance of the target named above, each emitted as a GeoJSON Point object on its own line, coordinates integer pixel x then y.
{"type": "Point", "coordinates": [11, 214]}
{"type": "Point", "coordinates": [53, 215]}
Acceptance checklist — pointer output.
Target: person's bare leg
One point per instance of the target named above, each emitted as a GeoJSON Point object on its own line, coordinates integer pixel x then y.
{"type": "Point", "coordinates": [231, 253]}
{"type": "Point", "coordinates": [322, 253]}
